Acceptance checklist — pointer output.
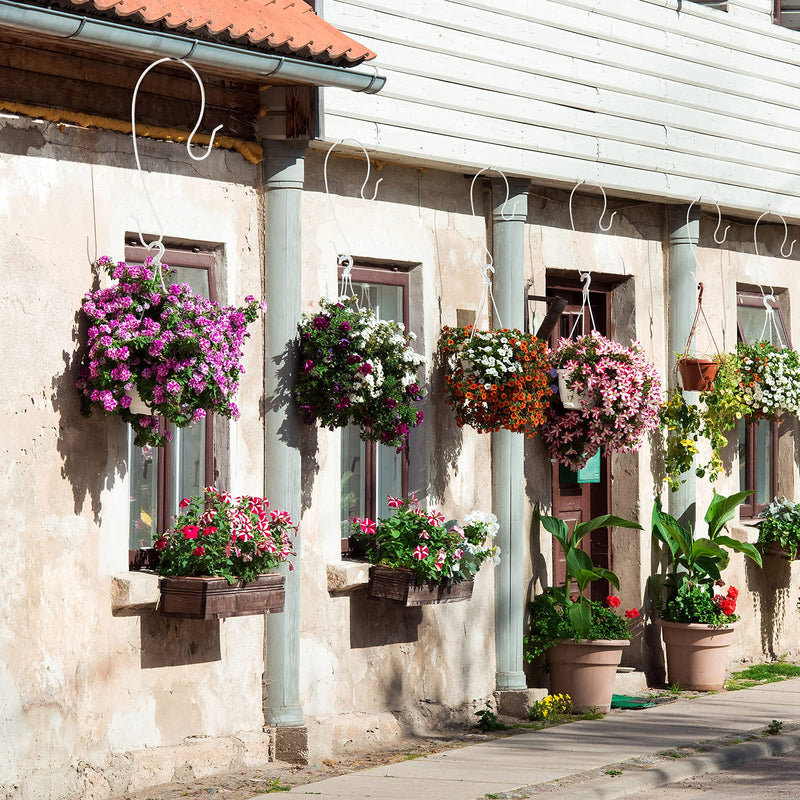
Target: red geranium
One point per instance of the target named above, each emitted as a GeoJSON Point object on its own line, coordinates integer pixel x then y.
{"type": "Point", "coordinates": [632, 613]}
{"type": "Point", "coordinates": [612, 601]}
{"type": "Point", "coordinates": [190, 531]}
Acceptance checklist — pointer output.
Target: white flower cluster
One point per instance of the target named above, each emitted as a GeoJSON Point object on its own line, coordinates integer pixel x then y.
{"type": "Point", "coordinates": [777, 389]}
{"type": "Point", "coordinates": [489, 360]}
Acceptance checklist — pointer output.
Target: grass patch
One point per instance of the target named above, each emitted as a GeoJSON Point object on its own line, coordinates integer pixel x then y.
{"type": "Point", "coordinates": [759, 674]}
{"type": "Point", "coordinates": [614, 772]}
{"type": "Point", "coordinates": [672, 754]}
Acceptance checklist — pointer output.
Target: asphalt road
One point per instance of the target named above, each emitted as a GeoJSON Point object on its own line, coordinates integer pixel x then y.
{"type": "Point", "coordinates": [773, 778]}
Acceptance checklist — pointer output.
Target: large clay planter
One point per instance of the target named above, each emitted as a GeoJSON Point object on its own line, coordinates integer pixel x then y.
{"type": "Point", "coordinates": [697, 374]}
{"type": "Point", "coordinates": [585, 671]}
{"type": "Point", "coordinates": [696, 654]}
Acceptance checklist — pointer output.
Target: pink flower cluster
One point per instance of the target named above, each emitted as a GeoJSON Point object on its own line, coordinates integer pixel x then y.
{"type": "Point", "coordinates": [622, 395]}
{"type": "Point", "coordinates": [179, 350]}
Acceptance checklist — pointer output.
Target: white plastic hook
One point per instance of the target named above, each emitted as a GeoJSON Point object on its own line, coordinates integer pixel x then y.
{"type": "Point", "coordinates": [505, 202]}
{"type": "Point", "coordinates": [785, 234]}
{"type": "Point", "coordinates": [604, 228]}
{"type": "Point", "coordinates": [586, 280]}
{"type": "Point", "coordinates": [719, 218]}
{"type": "Point", "coordinates": [369, 168]}
{"type": "Point", "coordinates": [487, 270]}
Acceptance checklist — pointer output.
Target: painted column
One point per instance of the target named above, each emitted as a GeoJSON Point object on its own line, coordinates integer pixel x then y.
{"type": "Point", "coordinates": [508, 473]}
{"type": "Point", "coordinates": [283, 190]}
{"type": "Point", "coordinates": [683, 239]}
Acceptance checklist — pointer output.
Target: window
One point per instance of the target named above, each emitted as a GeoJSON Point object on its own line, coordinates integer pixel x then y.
{"type": "Point", "coordinates": [758, 441]}
{"type": "Point", "coordinates": [371, 471]}
{"type": "Point", "coordinates": [787, 13]}
{"type": "Point", "coordinates": [160, 477]}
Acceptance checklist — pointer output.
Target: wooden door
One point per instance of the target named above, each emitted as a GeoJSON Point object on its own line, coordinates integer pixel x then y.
{"type": "Point", "coordinates": [572, 501]}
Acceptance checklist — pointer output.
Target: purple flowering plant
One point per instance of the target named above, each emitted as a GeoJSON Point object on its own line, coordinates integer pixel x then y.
{"type": "Point", "coordinates": [355, 368]}
{"type": "Point", "coordinates": [620, 400]}
{"type": "Point", "coordinates": [179, 350]}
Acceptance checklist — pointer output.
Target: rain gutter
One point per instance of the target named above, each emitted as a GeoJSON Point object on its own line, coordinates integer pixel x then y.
{"type": "Point", "coordinates": [64, 25]}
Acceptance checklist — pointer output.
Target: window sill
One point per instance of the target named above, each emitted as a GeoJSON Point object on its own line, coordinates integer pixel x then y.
{"type": "Point", "coordinates": [346, 576]}
{"type": "Point", "coordinates": [134, 590]}
{"type": "Point", "coordinates": [745, 531]}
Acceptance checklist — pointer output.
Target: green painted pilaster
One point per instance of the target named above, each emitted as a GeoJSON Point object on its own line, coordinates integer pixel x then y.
{"type": "Point", "coordinates": [283, 174]}
{"type": "Point", "coordinates": [683, 239]}
{"type": "Point", "coordinates": [508, 479]}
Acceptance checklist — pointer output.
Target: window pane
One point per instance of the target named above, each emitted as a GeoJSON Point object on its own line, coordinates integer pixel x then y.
{"type": "Point", "coordinates": [196, 278]}
{"type": "Point", "coordinates": [188, 462]}
{"type": "Point", "coordinates": [742, 431]}
{"type": "Point", "coordinates": [764, 455]}
{"type": "Point", "coordinates": [752, 320]}
{"type": "Point", "coordinates": [143, 464]}
{"type": "Point", "coordinates": [353, 478]}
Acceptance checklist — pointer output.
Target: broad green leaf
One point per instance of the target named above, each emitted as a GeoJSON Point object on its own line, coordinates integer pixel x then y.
{"type": "Point", "coordinates": [578, 559]}
{"type": "Point", "coordinates": [721, 509]}
{"type": "Point", "coordinates": [583, 577]}
{"type": "Point", "coordinates": [557, 527]}
{"type": "Point", "coordinates": [608, 575]}
{"type": "Point", "coordinates": [743, 547]}
{"type": "Point", "coordinates": [581, 618]}
{"type": "Point", "coordinates": [603, 521]}
{"type": "Point", "coordinates": [705, 547]}
{"type": "Point", "coordinates": [669, 531]}
{"type": "Point", "coordinates": [706, 566]}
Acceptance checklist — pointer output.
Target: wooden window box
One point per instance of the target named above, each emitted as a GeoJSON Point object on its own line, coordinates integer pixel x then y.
{"type": "Point", "coordinates": [398, 586]}
{"type": "Point", "coordinates": [215, 598]}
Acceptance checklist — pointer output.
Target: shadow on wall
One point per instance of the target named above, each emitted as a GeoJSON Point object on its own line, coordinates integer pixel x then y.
{"type": "Point", "coordinates": [449, 438]}
{"type": "Point", "coordinates": [375, 623]}
{"type": "Point", "coordinates": [82, 443]}
{"type": "Point", "coordinates": [655, 665]}
{"type": "Point", "coordinates": [770, 587]}
{"type": "Point", "coordinates": [535, 671]}
{"type": "Point", "coordinates": [169, 642]}
{"type": "Point", "coordinates": [286, 373]}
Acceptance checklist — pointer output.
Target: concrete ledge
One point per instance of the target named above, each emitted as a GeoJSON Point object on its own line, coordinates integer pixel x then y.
{"type": "Point", "coordinates": [744, 533]}
{"type": "Point", "coordinates": [630, 683]}
{"type": "Point", "coordinates": [514, 703]}
{"type": "Point", "coordinates": [345, 576]}
{"type": "Point", "coordinates": [134, 590]}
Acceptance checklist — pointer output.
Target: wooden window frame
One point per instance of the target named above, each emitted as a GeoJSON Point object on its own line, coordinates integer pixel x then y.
{"type": "Point", "coordinates": [389, 275]}
{"type": "Point", "coordinates": [750, 509]}
{"type": "Point", "coordinates": [189, 259]}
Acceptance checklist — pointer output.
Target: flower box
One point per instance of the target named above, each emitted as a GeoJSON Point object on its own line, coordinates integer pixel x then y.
{"type": "Point", "coordinates": [775, 550]}
{"type": "Point", "coordinates": [398, 586]}
{"type": "Point", "coordinates": [215, 598]}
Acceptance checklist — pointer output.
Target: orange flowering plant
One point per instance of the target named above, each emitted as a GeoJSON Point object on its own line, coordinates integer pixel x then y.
{"type": "Point", "coordinates": [496, 379]}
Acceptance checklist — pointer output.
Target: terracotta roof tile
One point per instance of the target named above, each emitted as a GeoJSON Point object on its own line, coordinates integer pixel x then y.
{"type": "Point", "coordinates": [285, 26]}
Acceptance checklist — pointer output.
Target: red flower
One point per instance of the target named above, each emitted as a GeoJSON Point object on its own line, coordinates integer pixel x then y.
{"type": "Point", "coordinates": [733, 592]}
{"type": "Point", "coordinates": [726, 604]}
{"type": "Point", "coordinates": [190, 531]}
{"type": "Point", "coordinates": [161, 543]}
{"type": "Point", "coordinates": [395, 502]}
{"type": "Point", "coordinates": [613, 601]}
{"type": "Point", "coordinates": [199, 551]}
{"type": "Point", "coordinates": [185, 502]}
{"type": "Point", "coordinates": [421, 552]}
{"type": "Point", "coordinates": [209, 530]}
{"type": "Point", "coordinates": [632, 613]}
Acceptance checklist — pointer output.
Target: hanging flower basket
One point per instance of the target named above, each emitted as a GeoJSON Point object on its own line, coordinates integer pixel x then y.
{"type": "Point", "coordinates": [496, 379]}
{"type": "Point", "coordinates": [355, 368]}
{"type": "Point", "coordinates": [621, 396]}
{"type": "Point", "coordinates": [217, 559]}
{"type": "Point", "coordinates": [570, 399]}
{"type": "Point", "coordinates": [697, 374]}
{"type": "Point", "coordinates": [770, 380]}
{"type": "Point", "coordinates": [175, 350]}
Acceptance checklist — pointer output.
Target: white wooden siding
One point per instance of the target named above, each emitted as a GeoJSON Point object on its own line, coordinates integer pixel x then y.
{"type": "Point", "coordinates": [648, 101]}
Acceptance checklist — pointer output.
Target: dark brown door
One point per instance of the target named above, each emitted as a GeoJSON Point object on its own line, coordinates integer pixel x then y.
{"type": "Point", "coordinates": [572, 501]}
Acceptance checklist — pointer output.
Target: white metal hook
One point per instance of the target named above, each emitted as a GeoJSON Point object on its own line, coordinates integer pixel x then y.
{"type": "Point", "coordinates": [486, 295]}
{"type": "Point", "coordinates": [369, 168]}
{"type": "Point", "coordinates": [785, 234]}
{"type": "Point", "coordinates": [508, 193]}
{"type": "Point", "coordinates": [604, 228]}
{"type": "Point", "coordinates": [719, 218]}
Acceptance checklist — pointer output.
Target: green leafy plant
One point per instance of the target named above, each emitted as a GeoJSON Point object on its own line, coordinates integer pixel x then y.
{"type": "Point", "coordinates": [781, 525]}
{"type": "Point", "coordinates": [551, 708]}
{"type": "Point", "coordinates": [488, 721]}
{"type": "Point", "coordinates": [419, 540]}
{"type": "Point", "coordinates": [774, 728]}
{"type": "Point", "coordinates": [696, 564]}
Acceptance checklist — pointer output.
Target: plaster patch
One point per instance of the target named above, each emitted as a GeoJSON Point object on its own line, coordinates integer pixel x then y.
{"type": "Point", "coordinates": [136, 724]}
{"type": "Point", "coordinates": [10, 720]}
{"type": "Point", "coordinates": [318, 667]}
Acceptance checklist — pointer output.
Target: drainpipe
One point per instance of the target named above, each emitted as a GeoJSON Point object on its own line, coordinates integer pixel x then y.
{"type": "Point", "coordinates": [683, 239]}
{"type": "Point", "coordinates": [109, 34]}
{"type": "Point", "coordinates": [508, 490]}
{"type": "Point", "coordinates": [283, 176]}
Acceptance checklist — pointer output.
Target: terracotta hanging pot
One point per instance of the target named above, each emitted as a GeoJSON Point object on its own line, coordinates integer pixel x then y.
{"type": "Point", "coordinates": [696, 654]}
{"type": "Point", "coordinates": [585, 671]}
{"type": "Point", "coordinates": [569, 399]}
{"type": "Point", "coordinates": [697, 374]}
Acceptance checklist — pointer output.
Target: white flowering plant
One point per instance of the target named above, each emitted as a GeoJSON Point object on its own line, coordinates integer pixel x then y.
{"type": "Point", "coordinates": [770, 380]}
{"type": "Point", "coordinates": [356, 368]}
{"type": "Point", "coordinates": [422, 541]}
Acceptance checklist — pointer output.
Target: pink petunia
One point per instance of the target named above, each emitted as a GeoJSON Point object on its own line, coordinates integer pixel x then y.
{"type": "Point", "coordinates": [190, 531]}
{"type": "Point", "coordinates": [395, 502]}
{"type": "Point", "coordinates": [367, 526]}
{"type": "Point", "coordinates": [421, 552]}
{"type": "Point", "coordinates": [436, 518]}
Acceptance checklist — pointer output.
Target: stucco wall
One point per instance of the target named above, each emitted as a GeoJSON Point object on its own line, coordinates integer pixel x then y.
{"type": "Point", "coordinates": [79, 683]}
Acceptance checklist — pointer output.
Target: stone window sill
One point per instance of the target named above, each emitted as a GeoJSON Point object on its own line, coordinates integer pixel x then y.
{"type": "Point", "coordinates": [744, 532]}
{"type": "Point", "coordinates": [134, 590]}
{"type": "Point", "coordinates": [347, 576]}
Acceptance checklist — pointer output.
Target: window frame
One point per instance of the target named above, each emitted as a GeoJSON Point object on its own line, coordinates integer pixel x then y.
{"type": "Point", "coordinates": [750, 509]}
{"type": "Point", "coordinates": [388, 275]}
{"type": "Point", "coordinates": [194, 258]}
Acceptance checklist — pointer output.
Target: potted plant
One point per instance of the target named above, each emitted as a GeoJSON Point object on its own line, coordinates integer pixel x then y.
{"type": "Point", "coordinates": [355, 368]}
{"type": "Point", "coordinates": [496, 379]}
{"type": "Point", "coordinates": [779, 533]}
{"type": "Point", "coordinates": [217, 560]}
{"type": "Point", "coordinates": [697, 373]}
{"type": "Point", "coordinates": [583, 639]}
{"type": "Point", "coordinates": [769, 380]}
{"type": "Point", "coordinates": [157, 351]}
{"type": "Point", "coordinates": [697, 625]}
{"type": "Point", "coordinates": [621, 396]}
{"type": "Point", "coordinates": [421, 559]}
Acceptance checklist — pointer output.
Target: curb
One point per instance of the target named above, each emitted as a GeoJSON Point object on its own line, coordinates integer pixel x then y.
{"type": "Point", "coordinates": [726, 758]}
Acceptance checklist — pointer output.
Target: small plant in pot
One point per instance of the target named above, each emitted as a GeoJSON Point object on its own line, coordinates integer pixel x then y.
{"type": "Point", "coordinates": [582, 639]}
{"type": "Point", "coordinates": [419, 558]}
{"type": "Point", "coordinates": [779, 532]}
{"type": "Point", "coordinates": [697, 624]}
{"type": "Point", "coordinates": [218, 559]}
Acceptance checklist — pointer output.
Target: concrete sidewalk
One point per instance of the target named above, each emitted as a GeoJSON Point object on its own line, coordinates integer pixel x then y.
{"type": "Point", "coordinates": [526, 759]}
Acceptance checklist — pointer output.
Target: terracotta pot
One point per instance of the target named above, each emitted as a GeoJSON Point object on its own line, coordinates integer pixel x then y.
{"type": "Point", "coordinates": [696, 654]}
{"type": "Point", "coordinates": [697, 374]}
{"type": "Point", "coordinates": [585, 671]}
{"type": "Point", "coordinates": [399, 586]}
{"type": "Point", "coordinates": [138, 406]}
{"type": "Point", "coordinates": [569, 399]}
